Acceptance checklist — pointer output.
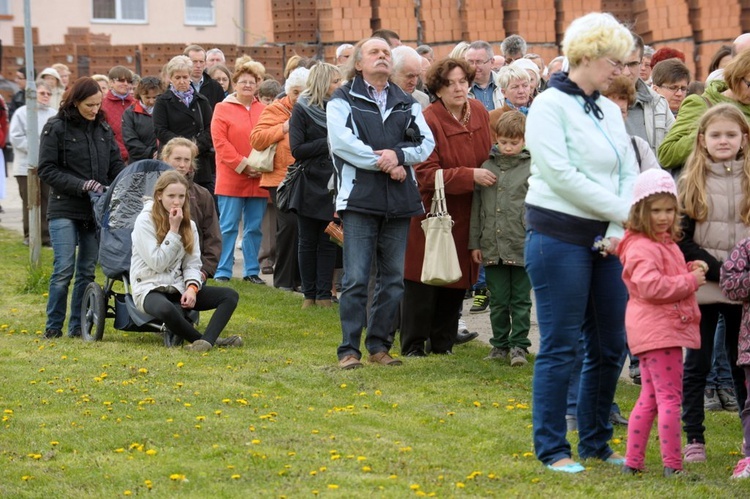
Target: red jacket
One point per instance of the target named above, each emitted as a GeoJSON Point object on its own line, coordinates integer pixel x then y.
{"type": "Point", "coordinates": [662, 309]}
{"type": "Point", "coordinates": [113, 108]}
{"type": "Point", "coordinates": [231, 126]}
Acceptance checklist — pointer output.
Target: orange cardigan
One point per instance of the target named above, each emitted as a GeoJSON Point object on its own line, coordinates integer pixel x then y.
{"type": "Point", "coordinates": [268, 131]}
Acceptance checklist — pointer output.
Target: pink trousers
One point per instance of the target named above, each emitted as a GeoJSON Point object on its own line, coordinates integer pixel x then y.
{"type": "Point", "coordinates": [661, 393]}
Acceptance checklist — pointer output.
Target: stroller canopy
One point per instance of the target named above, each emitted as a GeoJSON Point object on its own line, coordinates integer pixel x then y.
{"type": "Point", "coordinates": [115, 213]}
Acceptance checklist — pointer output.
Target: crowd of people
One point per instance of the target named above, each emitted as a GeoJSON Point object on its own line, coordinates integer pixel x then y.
{"type": "Point", "coordinates": [606, 181]}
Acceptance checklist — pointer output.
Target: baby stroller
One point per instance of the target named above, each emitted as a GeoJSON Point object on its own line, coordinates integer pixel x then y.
{"type": "Point", "coordinates": [115, 212]}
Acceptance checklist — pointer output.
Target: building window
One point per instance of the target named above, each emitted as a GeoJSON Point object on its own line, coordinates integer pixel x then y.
{"type": "Point", "coordinates": [199, 12]}
{"type": "Point", "coordinates": [4, 7]}
{"type": "Point", "coordinates": [119, 11]}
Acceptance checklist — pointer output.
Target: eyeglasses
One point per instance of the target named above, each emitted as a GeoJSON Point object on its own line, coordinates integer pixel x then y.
{"type": "Point", "coordinates": [478, 63]}
{"type": "Point", "coordinates": [632, 64]}
{"type": "Point", "coordinates": [680, 88]}
{"type": "Point", "coordinates": [246, 83]}
{"type": "Point", "coordinates": [615, 64]}
{"type": "Point", "coordinates": [44, 94]}
{"type": "Point", "coordinates": [123, 80]}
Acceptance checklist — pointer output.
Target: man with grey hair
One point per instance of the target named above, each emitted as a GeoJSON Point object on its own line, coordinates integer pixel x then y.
{"type": "Point", "coordinates": [407, 68]}
{"type": "Point", "coordinates": [214, 56]}
{"type": "Point", "coordinates": [343, 53]}
{"type": "Point", "coordinates": [376, 134]}
{"type": "Point", "coordinates": [426, 52]}
{"type": "Point", "coordinates": [479, 55]}
{"type": "Point", "coordinates": [513, 47]}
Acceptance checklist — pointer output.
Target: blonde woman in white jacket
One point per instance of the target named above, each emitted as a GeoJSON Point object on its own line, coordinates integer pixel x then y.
{"type": "Point", "coordinates": [165, 268]}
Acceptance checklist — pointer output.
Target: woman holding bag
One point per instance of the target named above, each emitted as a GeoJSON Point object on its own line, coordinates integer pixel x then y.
{"type": "Point", "coordinates": [462, 143]}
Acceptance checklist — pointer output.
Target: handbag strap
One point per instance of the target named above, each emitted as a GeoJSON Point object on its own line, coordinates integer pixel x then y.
{"type": "Point", "coordinates": [439, 207]}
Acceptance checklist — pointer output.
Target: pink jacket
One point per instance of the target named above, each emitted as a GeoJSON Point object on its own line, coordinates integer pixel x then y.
{"type": "Point", "coordinates": [662, 309]}
{"type": "Point", "coordinates": [735, 283]}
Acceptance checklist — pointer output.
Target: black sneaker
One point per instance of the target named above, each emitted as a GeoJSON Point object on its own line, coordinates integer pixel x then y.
{"type": "Point", "coordinates": [481, 302]}
{"type": "Point", "coordinates": [728, 399]}
{"type": "Point", "coordinates": [254, 279]}
{"type": "Point", "coordinates": [221, 279]}
{"type": "Point", "coordinates": [635, 374]}
{"type": "Point", "coordinates": [76, 333]}
{"type": "Point", "coordinates": [711, 400]}
{"type": "Point", "coordinates": [51, 334]}
{"type": "Point", "coordinates": [617, 419]}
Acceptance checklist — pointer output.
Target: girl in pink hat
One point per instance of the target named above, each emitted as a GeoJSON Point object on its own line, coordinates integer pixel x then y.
{"type": "Point", "coordinates": [662, 315]}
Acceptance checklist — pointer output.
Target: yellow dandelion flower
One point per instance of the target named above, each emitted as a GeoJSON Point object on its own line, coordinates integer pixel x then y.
{"type": "Point", "coordinates": [8, 411]}
{"type": "Point", "coordinates": [616, 441]}
{"type": "Point", "coordinates": [236, 476]}
{"type": "Point", "coordinates": [528, 454]}
{"type": "Point", "coordinates": [414, 486]}
{"type": "Point", "coordinates": [451, 413]}
{"type": "Point", "coordinates": [200, 418]}
{"type": "Point", "coordinates": [343, 385]}
{"type": "Point", "coordinates": [54, 443]}
{"type": "Point", "coordinates": [392, 477]}
{"type": "Point", "coordinates": [313, 473]}
{"type": "Point", "coordinates": [323, 469]}
{"type": "Point", "coordinates": [255, 442]}
{"type": "Point", "coordinates": [291, 453]}
{"type": "Point", "coordinates": [120, 450]}
{"type": "Point", "coordinates": [361, 458]}
{"type": "Point", "coordinates": [148, 484]}
{"type": "Point", "coordinates": [315, 432]}
{"type": "Point", "coordinates": [187, 404]}
{"type": "Point", "coordinates": [226, 401]}
{"type": "Point", "coordinates": [333, 486]}
{"type": "Point", "coordinates": [366, 469]}
{"type": "Point", "coordinates": [142, 370]}
{"type": "Point", "coordinates": [151, 452]}
{"type": "Point", "coordinates": [420, 493]}
{"type": "Point", "coordinates": [477, 403]}
{"type": "Point", "coordinates": [127, 493]}
{"type": "Point", "coordinates": [460, 485]}
{"type": "Point", "coordinates": [26, 478]}
{"type": "Point", "coordinates": [535, 480]}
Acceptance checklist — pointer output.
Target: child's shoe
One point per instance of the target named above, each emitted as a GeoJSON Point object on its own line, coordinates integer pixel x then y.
{"type": "Point", "coordinates": [711, 401]}
{"type": "Point", "coordinates": [481, 301]}
{"type": "Point", "coordinates": [669, 472]}
{"type": "Point", "coordinates": [728, 399]}
{"type": "Point", "coordinates": [627, 470]}
{"type": "Point", "coordinates": [497, 354]}
{"type": "Point", "coordinates": [695, 452]}
{"type": "Point", "coordinates": [742, 470]}
{"type": "Point", "coordinates": [518, 357]}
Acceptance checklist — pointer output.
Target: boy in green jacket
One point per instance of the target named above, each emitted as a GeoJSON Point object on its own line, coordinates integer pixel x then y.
{"type": "Point", "coordinates": [496, 239]}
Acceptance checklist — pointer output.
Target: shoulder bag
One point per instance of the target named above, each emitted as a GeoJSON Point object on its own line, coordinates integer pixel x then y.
{"type": "Point", "coordinates": [440, 265]}
{"type": "Point", "coordinates": [262, 161]}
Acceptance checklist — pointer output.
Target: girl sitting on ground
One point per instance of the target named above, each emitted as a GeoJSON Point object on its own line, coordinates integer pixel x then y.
{"type": "Point", "coordinates": [165, 268]}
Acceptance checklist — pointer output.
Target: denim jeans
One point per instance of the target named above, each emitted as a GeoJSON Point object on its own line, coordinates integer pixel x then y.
{"type": "Point", "coordinates": [317, 258]}
{"type": "Point", "coordinates": [367, 237]}
{"type": "Point", "coordinates": [575, 381]}
{"type": "Point", "coordinates": [721, 374]}
{"type": "Point", "coordinates": [66, 235]}
{"type": "Point", "coordinates": [251, 210]}
{"type": "Point", "coordinates": [577, 292]}
{"type": "Point", "coordinates": [481, 280]}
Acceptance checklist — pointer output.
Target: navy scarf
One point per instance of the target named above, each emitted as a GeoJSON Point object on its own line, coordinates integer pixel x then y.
{"type": "Point", "coordinates": [564, 84]}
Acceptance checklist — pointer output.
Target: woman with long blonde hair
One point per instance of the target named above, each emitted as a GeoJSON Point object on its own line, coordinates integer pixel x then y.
{"type": "Point", "coordinates": [714, 191]}
{"type": "Point", "coordinates": [165, 268]}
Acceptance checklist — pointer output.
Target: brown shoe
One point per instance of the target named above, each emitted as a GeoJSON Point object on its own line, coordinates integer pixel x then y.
{"type": "Point", "coordinates": [230, 341]}
{"type": "Point", "coordinates": [384, 359]}
{"type": "Point", "coordinates": [308, 303]}
{"type": "Point", "coordinates": [323, 303]}
{"type": "Point", "coordinates": [350, 362]}
{"type": "Point", "coordinates": [199, 346]}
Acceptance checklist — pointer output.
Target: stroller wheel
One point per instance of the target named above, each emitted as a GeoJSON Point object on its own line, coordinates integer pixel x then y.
{"type": "Point", "coordinates": [93, 313]}
{"type": "Point", "coordinates": [171, 339]}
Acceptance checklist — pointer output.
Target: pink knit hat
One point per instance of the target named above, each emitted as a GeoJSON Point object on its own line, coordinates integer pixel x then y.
{"type": "Point", "coordinates": [653, 181]}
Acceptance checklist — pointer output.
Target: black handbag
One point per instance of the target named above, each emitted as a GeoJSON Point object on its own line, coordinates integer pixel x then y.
{"type": "Point", "coordinates": [288, 189]}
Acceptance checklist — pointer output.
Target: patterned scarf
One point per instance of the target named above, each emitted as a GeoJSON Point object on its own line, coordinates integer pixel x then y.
{"type": "Point", "coordinates": [185, 97]}
{"type": "Point", "coordinates": [521, 109]}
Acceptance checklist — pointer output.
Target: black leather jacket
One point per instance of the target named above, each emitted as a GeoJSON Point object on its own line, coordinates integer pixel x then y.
{"type": "Point", "coordinates": [73, 150]}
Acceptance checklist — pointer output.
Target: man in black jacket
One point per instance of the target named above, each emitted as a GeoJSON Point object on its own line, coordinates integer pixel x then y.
{"type": "Point", "coordinates": [200, 80]}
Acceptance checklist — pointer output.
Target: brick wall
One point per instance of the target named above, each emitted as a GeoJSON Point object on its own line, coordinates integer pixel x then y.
{"type": "Point", "coordinates": [317, 27]}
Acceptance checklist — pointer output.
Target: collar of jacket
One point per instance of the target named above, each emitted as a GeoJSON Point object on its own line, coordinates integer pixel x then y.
{"type": "Point", "coordinates": [358, 88]}
{"type": "Point", "coordinates": [643, 92]}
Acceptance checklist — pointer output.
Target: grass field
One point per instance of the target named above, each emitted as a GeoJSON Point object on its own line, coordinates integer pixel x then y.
{"type": "Point", "coordinates": [276, 418]}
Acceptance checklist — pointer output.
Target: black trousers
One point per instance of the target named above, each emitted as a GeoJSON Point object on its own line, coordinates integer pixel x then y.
{"type": "Point", "coordinates": [286, 272]}
{"type": "Point", "coordinates": [698, 365]}
{"type": "Point", "coordinates": [429, 313]}
{"type": "Point", "coordinates": [166, 307]}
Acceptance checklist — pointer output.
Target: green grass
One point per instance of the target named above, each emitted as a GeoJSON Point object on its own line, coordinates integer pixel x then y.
{"type": "Point", "coordinates": [276, 418]}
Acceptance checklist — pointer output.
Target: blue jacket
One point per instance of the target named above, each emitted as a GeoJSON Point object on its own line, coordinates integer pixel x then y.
{"type": "Point", "coordinates": [356, 128]}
